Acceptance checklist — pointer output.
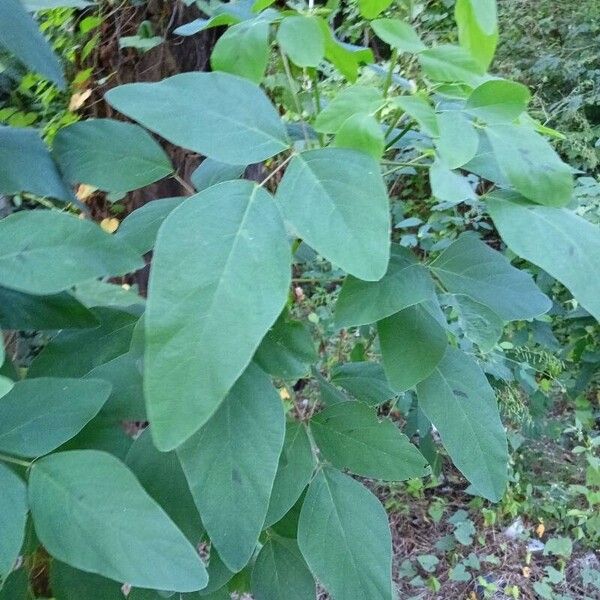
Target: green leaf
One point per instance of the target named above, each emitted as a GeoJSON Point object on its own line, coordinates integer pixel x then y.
{"type": "Point", "coordinates": [210, 172]}
{"type": "Point", "coordinates": [97, 293]}
{"type": "Point", "coordinates": [16, 586]}
{"type": "Point", "coordinates": [100, 504]}
{"type": "Point", "coordinates": [531, 165]}
{"type": "Point", "coordinates": [329, 393]}
{"type": "Point", "coordinates": [220, 278]}
{"type": "Point", "coordinates": [468, 266]}
{"type": "Point", "coordinates": [557, 240]}
{"type": "Point", "coordinates": [243, 50]}
{"type": "Point", "coordinates": [481, 324]}
{"type": "Point", "coordinates": [58, 311]}
{"type": "Point", "coordinates": [451, 64]}
{"type": "Point", "coordinates": [301, 38]}
{"type": "Point", "coordinates": [350, 101]}
{"type": "Point", "coordinates": [45, 252]}
{"type": "Point", "coordinates": [35, 5]}
{"type": "Point", "coordinates": [336, 200]}
{"type": "Point", "coordinates": [459, 401]}
{"type": "Point", "coordinates": [230, 465]}
{"type": "Point", "coordinates": [498, 101]}
{"type": "Point", "coordinates": [280, 572]}
{"type": "Point", "coordinates": [288, 350]}
{"type": "Point", "coordinates": [371, 9]}
{"type": "Point", "coordinates": [344, 537]}
{"type": "Point", "coordinates": [351, 436]}
{"type": "Point", "coordinates": [237, 123]}
{"type": "Point", "coordinates": [362, 132]}
{"type": "Point", "coordinates": [398, 34]}
{"type": "Point", "coordinates": [38, 415]}
{"type": "Point", "coordinates": [110, 155]}
{"type": "Point", "coordinates": [295, 469]}
{"type": "Point", "coordinates": [26, 165]}
{"type": "Point", "coordinates": [405, 283]}
{"type": "Point", "coordinates": [20, 35]}
{"type": "Point", "coordinates": [412, 342]}
{"type": "Point", "coordinates": [71, 584]}
{"type": "Point", "coordinates": [76, 353]}
{"type": "Point", "coordinates": [458, 140]}
{"type": "Point", "coordinates": [344, 57]}
{"type": "Point", "coordinates": [139, 228]}
{"type": "Point", "coordinates": [421, 111]}
{"type": "Point", "coordinates": [161, 475]}
{"type": "Point", "coordinates": [559, 546]}
{"type": "Point", "coordinates": [477, 29]}
{"type": "Point", "coordinates": [13, 516]}
{"type": "Point", "coordinates": [449, 186]}
{"type": "Point", "coordinates": [366, 381]}
{"type": "Point", "coordinates": [126, 401]}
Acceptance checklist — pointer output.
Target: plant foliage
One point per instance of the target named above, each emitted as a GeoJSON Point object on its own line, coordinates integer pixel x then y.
{"type": "Point", "coordinates": [224, 465]}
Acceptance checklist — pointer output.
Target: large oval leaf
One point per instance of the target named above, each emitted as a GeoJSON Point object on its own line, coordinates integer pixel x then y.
{"type": "Point", "coordinates": [219, 280]}
{"type": "Point", "coordinates": [337, 202]}
{"type": "Point", "coordinates": [13, 516]}
{"type": "Point", "coordinates": [344, 536]}
{"type": "Point", "coordinates": [253, 37]}
{"type": "Point", "coordinates": [230, 119]}
{"type": "Point", "coordinates": [26, 166]}
{"type": "Point", "coordinates": [280, 572]}
{"type": "Point", "coordinates": [230, 465]}
{"type": "Point", "coordinates": [110, 155]}
{"type": "Point", "coordinates": [56, 311]}
{"type": "Point", "coordinates": [469, 266]}
{"type": "Point", "coordinates": [405, 283]}
{"type": "Point", "coordinates": [38, 415]}
{"type": "Point", "coordinates": [301, 38]}
{"type": "Point", "coordinates": [530, 164]}
{"type": "Point", "coordinates": [412, 342]}
{"type": "Point", "coordinates": [139, 228]}
{"type": "Point", "coordinates": [162, 477]}
{"type": "Point", "coordinates": [350, 436]}
{"type": "Point", "coordinates": [460, 402]}
{"type": "Point", "coordinates": [20, 35]}
{"type": "Point", "coordinates": [108, 524]}
{"type": "Point", "coordinates": [296, 465]}
{"type": "Point", "coordinates": [557, 240]}
{"type": "Point", "coordinates": [45, 252]}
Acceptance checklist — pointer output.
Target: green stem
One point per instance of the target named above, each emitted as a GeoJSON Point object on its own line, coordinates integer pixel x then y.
{"type": "Point", "coordinates": [317, 97]}
{"type": "Point", "coordinates": [291, 84]}
{"type": "Point", "coordinates": [390, 73]}
{"type": "Point", "coordinates": [15, 461]}
{"type": "Point", "coordinates": [399, 136]}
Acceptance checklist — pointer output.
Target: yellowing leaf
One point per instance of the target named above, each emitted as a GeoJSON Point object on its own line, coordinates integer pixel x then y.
{"type": "Point", "coordinates": [84, 191]}
{"type": "Point", "coordinates": [78, 100]}
{"type": "Point", "coordinates": [110, 225]}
